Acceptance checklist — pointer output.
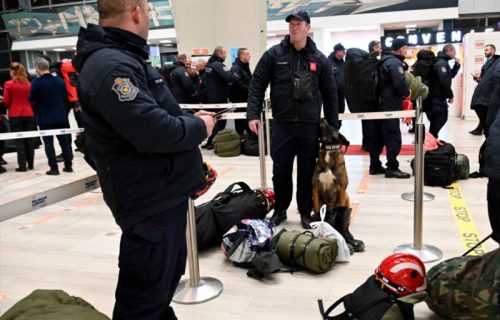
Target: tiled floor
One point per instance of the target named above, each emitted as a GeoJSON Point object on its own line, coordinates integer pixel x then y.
{"type": "Point", "coordinates": [73, 245]}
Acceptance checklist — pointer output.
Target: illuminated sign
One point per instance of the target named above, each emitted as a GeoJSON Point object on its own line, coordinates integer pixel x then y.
{"type": "Point", "coordinates": [426, 38]}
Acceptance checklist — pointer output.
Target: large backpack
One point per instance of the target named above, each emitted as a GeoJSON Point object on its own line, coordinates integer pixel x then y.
{"type": "Point", "coordinates": [424, 64]}
{"type": "Point", "coordinates": [216, 217]}
{"type": "Point", "coordinates": [440, 166]}
{"type": "Point", "coordinates": [361, 81]}
{"type": "Point", "coordinates": [371, 301]}
{"type": "Point", "coordinates": [466, 287]}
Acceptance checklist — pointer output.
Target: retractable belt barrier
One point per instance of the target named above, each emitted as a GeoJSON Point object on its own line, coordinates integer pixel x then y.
{"type": "Point", "coordinates": [40, 133]}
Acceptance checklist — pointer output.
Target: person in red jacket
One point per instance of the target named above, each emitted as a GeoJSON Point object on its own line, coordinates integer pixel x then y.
{"type": "Point", "coordinates": [70, 77]}
{"type": "Point", "coordinates": [20, 112]}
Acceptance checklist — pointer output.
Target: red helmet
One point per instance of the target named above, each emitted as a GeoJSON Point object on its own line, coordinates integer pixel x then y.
{"type": "Point", "coordinates": [210, 177]}
{"type": "Point", "coordinates": [268, 195]}
{"type": "Point", "coordinates": [402, 273]}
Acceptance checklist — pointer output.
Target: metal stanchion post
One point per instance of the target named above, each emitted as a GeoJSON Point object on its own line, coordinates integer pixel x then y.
{"type": "Point", "coordinates": [195, 289]}
{"type": "Point", "coordinates": [426, 253]}
{"type": "Point", "coordinates": [268, 127]}
{"type": "Point", "coordinates": [419, 157]}
{"type": "Point", "coordinates": [262, 153]}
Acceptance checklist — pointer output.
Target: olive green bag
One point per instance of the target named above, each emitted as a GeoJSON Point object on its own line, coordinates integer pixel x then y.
{"type": "Point", "coordinates": [466, 288]}
{"type": "Point", "coordinates": [227, 143]}
{"type": "Point", "coordinates": [295, 248]}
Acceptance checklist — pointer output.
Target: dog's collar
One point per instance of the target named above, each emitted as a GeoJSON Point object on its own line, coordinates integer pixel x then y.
{"type": "Point", "coordinates": [332, 147]}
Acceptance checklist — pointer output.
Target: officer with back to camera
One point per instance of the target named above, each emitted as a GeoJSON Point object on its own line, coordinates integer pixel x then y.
{"type": "Point", "coordinates": [392, 89]}
{"type": "Point", "coordinates": [440, 93]}
{"type": "Point", "coordinates": [301, 80]}
{"type": "Point", "coordinates": [146, 154]}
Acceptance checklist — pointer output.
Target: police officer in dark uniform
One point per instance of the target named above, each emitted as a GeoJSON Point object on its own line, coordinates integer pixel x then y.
{"type": "Point", "coordinates": [301, 80]}
{"type": "Point", "coordinates": [336, 59]}
{"type": "Point", "coordinates": [217, 80]}
{"type": "Point", "coordinates": [392, 90]}
{"type": "Point", "coordinates": [146, 154]}
{"type": "Point", "coordinates": [440, 93]}
{"type": "Point", "coordinates": [181, 85]}
{"type": "Point", "coordinates": [239, 89]}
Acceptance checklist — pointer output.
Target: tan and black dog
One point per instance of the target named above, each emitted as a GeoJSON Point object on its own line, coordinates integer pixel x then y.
{"type": "Point", "coordinates": [329, 182]}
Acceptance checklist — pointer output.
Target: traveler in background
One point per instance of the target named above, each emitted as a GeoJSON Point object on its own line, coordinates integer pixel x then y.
{"type": "Point", "coordinates": [440, 93]}
{"type": "Point", "coordinates": [392, 90]}
{"type": "Point", "coordinates": [49, 97]}
{"type": "Point", "coordinates": [289, 67]}
{"type": "Point", "coordinates": [336, 59]}
{"type": "Point", "coordinates": [217, 80]}
{"type": "Point", "coordinates": [146, 153]}
{"type": "Point", "coordinates": [200, 83]}
{"type": "Point", "coordinates": [484, 89]}
{"type": "Point", "coordinates": [70, 77]}
{"type": "Point", "coordinates": [239, 89]}
{"type": "Point", "coordinates": [375, 49]}
{"type": "Point", "coordinates": [21, 116]}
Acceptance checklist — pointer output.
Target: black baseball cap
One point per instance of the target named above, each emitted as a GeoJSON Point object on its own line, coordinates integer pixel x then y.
{"type": "Point", "coordinates": [398, 43]}
{"type": "Point", "coordinates": [299, 14]}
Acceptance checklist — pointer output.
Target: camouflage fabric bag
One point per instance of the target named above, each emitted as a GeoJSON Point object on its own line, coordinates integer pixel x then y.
{"type": "Point", "coordinates": [466, 288]}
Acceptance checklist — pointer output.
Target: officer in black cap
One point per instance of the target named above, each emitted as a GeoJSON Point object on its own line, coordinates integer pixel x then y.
{"type": "Point", "coordinates": [393, 89]}
{"type": "Point", "coordinates": [336, 59]}
{"type": "Point", "coordinates": [301, 80]}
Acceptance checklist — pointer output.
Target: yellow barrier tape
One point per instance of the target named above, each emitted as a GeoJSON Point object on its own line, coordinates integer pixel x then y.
{"type": "Point", "coordinates": [463, 217]}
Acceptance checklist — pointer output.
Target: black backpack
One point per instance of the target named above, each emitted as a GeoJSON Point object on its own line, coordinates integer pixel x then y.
{"type": "Point", "coordinates": [216, 217]}
{"type": "Point", "coordinates": [424, 64]}
{"type": "Point", "coordinates": [361, 80]}
{"type": "Point", "coordinates": [439, 166]}
{"type": "Point", "coordinates": [372, 302]}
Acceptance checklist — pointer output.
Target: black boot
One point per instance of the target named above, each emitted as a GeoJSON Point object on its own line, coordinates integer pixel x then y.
{"type": "Point", "coordinates": [342, 225]}
{"type": "Point", "coordinates": [278, 217]}
{"type": "Point", "coordinates": [305, 221]}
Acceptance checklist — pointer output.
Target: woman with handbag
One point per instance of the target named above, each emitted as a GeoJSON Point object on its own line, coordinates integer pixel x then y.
{"type": "Point", "coordinates": [20, 112]}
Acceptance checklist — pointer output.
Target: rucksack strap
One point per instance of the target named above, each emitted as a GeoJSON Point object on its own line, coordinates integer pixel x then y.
{"type": "Point", "coordinates": [302, 252]}
{"type": "Point", "coordinates": [326, 314]}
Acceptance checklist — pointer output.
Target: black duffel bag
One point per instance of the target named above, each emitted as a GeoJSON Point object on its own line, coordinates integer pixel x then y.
{"type": "Point", "coordinates": [216, 217]}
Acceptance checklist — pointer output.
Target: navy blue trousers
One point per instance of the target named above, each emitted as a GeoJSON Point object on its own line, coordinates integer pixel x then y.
{"type": "Point", "coordinates": [493, 196]}
{"type": "Point", "coordinates": [384, 133]}
{"type": "Point", "coordinates": [152, 260]}
{"type": "Point", "coordinates": [437, 113]}
{"type": "Point", "coordinates": [290, 140]}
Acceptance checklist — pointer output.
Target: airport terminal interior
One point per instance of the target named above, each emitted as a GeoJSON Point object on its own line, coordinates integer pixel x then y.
{"type": "Point", "coordinates": [73, 244]}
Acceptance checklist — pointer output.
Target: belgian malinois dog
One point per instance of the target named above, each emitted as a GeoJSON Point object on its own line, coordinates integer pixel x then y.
{"type": "Point", "coordinates": [329, 182]}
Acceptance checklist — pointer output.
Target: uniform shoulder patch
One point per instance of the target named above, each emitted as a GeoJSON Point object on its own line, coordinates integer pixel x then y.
{"type": "Point", "coordinates": [401, 70]}
{"type": "Point", "coordinates": [186, 74]}
{"type": "Point", "coordinates": [124, 89]}
{"type": "Point", "coordinates": [443, 70]}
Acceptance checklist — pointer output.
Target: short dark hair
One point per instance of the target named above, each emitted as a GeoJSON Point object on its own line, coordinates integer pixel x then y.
{"type": "Point", "coordinates": [372, 45]}
{"type": "Point", "coordinates": [492, 46]}
{"type": "Point", "coordinates": [112, 8]}
{"type": "Point", "coordinates": [241, 50]}
{"type": "Point", "coordinates": [448, 47]}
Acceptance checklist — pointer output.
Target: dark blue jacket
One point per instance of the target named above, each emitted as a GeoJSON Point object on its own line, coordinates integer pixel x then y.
{"type": "Point", "coordinates": [217, 80]}
{"type": "Point", "coordinates": [276, 67]}
{"type": "Point", "coordinates": [486, 85]}
{"type": "Point", "coordinates": [494, 102]}
{"type": "Point", "coordinates": [144, 147]}
{"type": "Point", "coordinates": [239, 89]}
{"type": "Point", "coordinates": [441, 76]}
{"type": "Point", "coordinates": [491, 151]}
{"type": "Point", "coordinates": [338, 67]}
{"type": "Point", "coordinates": [392, 87]}
{"type": "Point", "coordinates": [181, 85]}
{"type": "Point", "coordinates": [49, 95]}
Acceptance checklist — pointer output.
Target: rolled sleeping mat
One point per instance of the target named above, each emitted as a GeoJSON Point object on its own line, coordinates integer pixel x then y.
{"type": "Point", "coordinates": [296, 248]}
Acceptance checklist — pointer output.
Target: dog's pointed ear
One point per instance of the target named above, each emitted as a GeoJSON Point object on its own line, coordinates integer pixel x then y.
{"type": "Point", "coordinates": [344, 140]}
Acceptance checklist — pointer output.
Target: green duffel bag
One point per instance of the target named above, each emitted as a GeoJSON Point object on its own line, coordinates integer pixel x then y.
{"type": "Point", "coordinates": [462, 166]}
{"type": "Point", "coordinates": [466, 288]}
{"type": "Point", "coordinates": [227, 143]}
{"type": "Point", "coordinates": [302, 249]}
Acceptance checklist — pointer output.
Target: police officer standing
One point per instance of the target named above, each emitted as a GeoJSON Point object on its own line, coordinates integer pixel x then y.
{"type": "Point", "coordinates": [239, 89]}
{"type": "Point", "coordinates": [181, 85]}
{"type": "Point", "coordinates": [301, 79]}
{"type": "Point", "coordinates": [336, 59]}
{"type": "Point", "coordinates": [393, 89]}
{"type": "Point", "coordinates": [217, 80]}
{"type": "Point", "coordinates": [440, 93]}
{"type": "Point", "coordinates": [146, 155]}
